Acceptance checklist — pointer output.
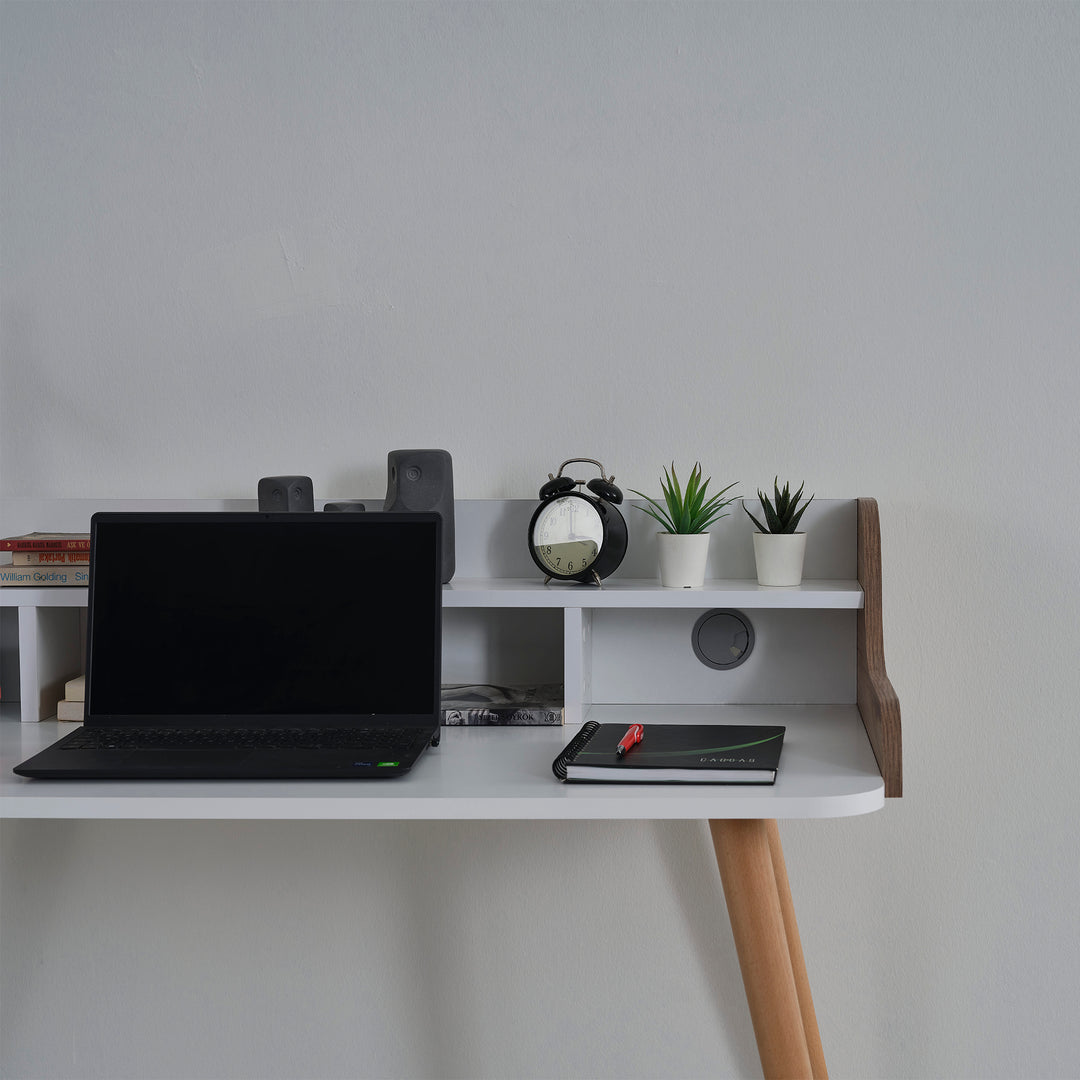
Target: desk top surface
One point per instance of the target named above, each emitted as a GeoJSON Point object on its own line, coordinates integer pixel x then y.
{"type": "Point", "coordinates": [827, 770]}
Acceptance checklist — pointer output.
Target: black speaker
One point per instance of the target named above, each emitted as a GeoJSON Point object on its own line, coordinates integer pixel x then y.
{"type": "Point", "coordinates": [424, 480]}
{"type": "Point", "coordinates": [349, 506]}
{"type": "Point", "coordinates": [286, 493]}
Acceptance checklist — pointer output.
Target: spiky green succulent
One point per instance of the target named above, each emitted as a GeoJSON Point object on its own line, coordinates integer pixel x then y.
{"type": "Point", "coordinates": [783, 513]}
{"type": "Point", "coordinates": [686, 510]}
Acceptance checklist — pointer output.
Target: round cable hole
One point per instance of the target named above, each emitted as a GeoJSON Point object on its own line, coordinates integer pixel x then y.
{"type": "Point", "coordinates": [723, 638]}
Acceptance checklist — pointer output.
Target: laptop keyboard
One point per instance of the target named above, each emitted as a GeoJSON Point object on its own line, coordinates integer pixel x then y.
{"type": "Point", "coordinates": [381, 740]}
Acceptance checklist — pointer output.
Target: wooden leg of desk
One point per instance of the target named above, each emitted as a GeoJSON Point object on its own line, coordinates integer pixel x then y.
{"type": "Point", "coordinates": [744, 856]}
{"type": "Point", "coordinates": [798, 963]}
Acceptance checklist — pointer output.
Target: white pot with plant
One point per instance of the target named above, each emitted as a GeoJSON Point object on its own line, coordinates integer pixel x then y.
{"type": "Point", "coordinates": [779, 549]}
{"type": "Point", "coordinates": [686, 516]}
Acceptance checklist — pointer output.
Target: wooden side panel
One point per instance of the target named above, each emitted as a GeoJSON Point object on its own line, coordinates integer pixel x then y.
{"type": "Point", "coordinates": [878, 703]}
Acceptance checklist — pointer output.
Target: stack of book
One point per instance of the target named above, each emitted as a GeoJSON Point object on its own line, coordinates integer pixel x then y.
{"type": "Point", "coordinates": [42, 559]}
{"type": "Point", "coordinates": [71, 708]}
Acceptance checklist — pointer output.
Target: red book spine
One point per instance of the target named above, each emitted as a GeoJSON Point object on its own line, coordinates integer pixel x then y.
{"type": "Point", "coordinates": [45, 543]}
{"type": "Point", "coordinates": [45, 558]}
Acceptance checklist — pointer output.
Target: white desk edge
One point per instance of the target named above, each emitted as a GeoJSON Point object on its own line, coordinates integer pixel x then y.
{"type": "Point", "coordinates": [827, 770]}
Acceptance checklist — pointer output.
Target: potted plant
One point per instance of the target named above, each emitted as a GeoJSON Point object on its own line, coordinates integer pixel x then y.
{"type": "Point", "coordinates": [685, 516]}
{"type": "Point", "coordinates": [778, 548]}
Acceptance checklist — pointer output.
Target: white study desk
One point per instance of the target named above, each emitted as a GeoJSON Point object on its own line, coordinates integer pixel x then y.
{"type": "Point", "coordinates": [827, 769]}
{"type": "Point", "coordinates": [629, 641]}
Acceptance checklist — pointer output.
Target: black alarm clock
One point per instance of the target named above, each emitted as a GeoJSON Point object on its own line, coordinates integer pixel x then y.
{"type": "Point", "coordinates": [577, 535]}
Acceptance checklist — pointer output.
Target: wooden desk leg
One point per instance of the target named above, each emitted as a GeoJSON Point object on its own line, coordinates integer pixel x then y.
{"type": "Point", "coordinates": [745, 857]}
{"type": "Point", "coordinates": [798, 963]}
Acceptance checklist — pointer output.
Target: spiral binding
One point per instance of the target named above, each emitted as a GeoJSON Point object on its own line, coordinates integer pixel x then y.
{"type": "Point", "coordinates": [573, 748]}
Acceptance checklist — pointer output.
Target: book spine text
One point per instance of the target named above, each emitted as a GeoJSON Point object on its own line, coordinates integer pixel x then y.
{"type": "Point", "coordinates": [44, 575]}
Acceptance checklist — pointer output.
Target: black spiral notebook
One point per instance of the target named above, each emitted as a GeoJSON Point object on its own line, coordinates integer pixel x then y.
{"type": "Point", "coordinates": [674, 754]}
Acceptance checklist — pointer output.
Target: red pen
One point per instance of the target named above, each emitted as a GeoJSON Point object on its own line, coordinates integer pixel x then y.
{"type": "Point", "coordinates": [634, 734]}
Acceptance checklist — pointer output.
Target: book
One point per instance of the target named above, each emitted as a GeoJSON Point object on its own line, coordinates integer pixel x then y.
{"type": "Point", "coordinates": [70, 712]}
{"type": "Point", "coordinates": [75, 689]}
{"type": "Point", "coordinates": [42, 558]}
{"type": "Point", "coordinates": [674, 754]}
{"type": "Point", "coordinates": [39, 576]}
{"type": "Point", "coordinates": [36, 541]}
{"type": "Point", "coordinates": [480, 704]}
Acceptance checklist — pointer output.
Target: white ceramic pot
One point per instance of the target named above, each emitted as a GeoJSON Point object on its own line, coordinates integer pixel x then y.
{"type": "Point", "coordinates": [682, 559]}
{"type": "Point", "coordinates": [779, 558]}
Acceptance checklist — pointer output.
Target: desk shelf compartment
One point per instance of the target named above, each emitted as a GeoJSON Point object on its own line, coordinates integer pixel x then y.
{"type": "Point", "coordinates": [504, 646]}
{"type": "Point", "coordinates": [647, 657]}
{"type": "Point", "coordinates": [51, 638]}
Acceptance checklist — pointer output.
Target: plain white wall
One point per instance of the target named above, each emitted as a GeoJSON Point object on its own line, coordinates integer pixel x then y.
{"type": "Point", "coordinates": [838, 242]}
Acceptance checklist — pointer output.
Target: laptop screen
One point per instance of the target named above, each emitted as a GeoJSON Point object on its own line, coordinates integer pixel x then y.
{"type": "Point", "coordinates": [254, 619]}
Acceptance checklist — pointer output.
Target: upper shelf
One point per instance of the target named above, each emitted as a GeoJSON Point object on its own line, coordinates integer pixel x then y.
{"type": "Point", "coordinates": [532, 593]}
{"type": "Point", "coordinates": [643, 593]}
{"type": "Point", "coordinates": [21, 596]}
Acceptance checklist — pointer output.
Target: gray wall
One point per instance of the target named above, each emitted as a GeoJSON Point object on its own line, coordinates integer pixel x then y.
{"type": "Point", "coordinates": [838, 242]}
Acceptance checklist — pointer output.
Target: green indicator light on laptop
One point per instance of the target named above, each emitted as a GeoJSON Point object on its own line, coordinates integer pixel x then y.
{"type": "Point", "coordinates": [384, 764]}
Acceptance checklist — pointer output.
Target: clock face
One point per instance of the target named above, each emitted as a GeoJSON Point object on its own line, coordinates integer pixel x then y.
{"type": "Point", "coordinates": [567, 535]}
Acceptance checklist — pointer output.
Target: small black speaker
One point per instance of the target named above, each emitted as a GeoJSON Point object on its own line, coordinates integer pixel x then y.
{"type": "Point", "coordinates": [424, 480]}
{"type": "Point", "coordinates": [349, 506]}
{"type": "Point", "coordinates": [286, 494]}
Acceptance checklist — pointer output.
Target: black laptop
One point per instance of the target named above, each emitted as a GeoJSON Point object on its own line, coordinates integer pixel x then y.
{"type": "Point", "coordinates": [255, 645]}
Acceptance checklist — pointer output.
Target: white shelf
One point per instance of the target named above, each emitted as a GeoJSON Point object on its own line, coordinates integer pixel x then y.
{"type": "Point", "coordinates": [52, 596]}
{"type": "Point", "coordinates": [827, 769]}
{"type": "Point", "coordinates": [530, 592]}
{"type": "Point", "coordinates": [645, 593]}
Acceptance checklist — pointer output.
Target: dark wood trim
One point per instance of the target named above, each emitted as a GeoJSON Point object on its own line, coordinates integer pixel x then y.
{"type": "Point", "coordinates": [878, 703]}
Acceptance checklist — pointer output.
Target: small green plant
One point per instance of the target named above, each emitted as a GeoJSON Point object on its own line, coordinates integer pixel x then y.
{"type": "Point", "coordinates": [783, 513]}
{"type": "Point", "coordinates": [687, 510]}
